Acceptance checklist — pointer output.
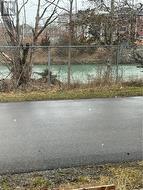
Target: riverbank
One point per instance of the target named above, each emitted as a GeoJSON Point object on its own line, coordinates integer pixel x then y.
{"type": "Point", "coordinates": [126, 176]}
{"type": "Point", "coordinates": [76, 92]}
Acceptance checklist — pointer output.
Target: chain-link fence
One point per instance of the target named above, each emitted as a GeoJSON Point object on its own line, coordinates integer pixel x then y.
{"type": "Point", "coordinates": [77, 64]}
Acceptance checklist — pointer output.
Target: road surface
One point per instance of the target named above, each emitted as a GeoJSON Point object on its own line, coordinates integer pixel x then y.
{"type": "Point", "coordinates": [52, 134]}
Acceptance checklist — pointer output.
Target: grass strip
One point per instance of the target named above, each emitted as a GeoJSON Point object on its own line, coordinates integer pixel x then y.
{"type": "Point", "coordinates": [81, 93]}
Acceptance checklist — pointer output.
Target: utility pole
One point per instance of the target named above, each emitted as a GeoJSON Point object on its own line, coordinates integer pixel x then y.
{"type": "Point", "coordinates": [112, 19]}
{"type": "Point", "coordinates": [70, 43]}
{"type": "Point", "coordinates": [76, 17]}
{"type": "Point", "coordinates": [24, 21]}
{"type": "Point", "coordinates": [75, 6]}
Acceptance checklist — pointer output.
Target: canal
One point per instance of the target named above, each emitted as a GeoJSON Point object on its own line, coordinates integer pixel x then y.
{"type": "Point", "coordinates": [82, 72]}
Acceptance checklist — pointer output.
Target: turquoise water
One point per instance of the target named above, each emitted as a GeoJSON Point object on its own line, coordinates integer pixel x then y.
{"type": "Point", "coordinates": [82, 72]}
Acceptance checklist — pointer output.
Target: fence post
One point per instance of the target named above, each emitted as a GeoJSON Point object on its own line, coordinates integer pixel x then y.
{"type": "Point", "coordinates": [49, 66]}
{"type": "Point", "coordinates": [69, 67]}
{"type": "Point", "coordinates": [117, 62]}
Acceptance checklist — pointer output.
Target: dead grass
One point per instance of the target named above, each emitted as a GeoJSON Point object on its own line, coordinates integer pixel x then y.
{"type": "Point", "coordinates": [127, 176]}
{"type": "Point", "coordinates": [124, 178]}
{"type": "Point", "coordinates": [77, 91]}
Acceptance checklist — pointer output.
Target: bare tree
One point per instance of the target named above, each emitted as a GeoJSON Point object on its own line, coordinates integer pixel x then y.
{"type": "Point", "coordinates": [20, 60]}
{"type": "Point", "coordinates": [71, 34]}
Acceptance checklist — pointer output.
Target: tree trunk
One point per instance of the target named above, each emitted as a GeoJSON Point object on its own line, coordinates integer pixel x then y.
{"type": "Point", "coordinates": [21, 70]}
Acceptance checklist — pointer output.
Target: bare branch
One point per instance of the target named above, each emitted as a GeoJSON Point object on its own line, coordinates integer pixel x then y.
{"type": "Point", "coordinates": [23, 6]}
{"type": "Point", "coordinates": [58, 6]}
{"type": "Point", "coordinates": [46, 9]}
{"type": "Point", "coordinates": [6, 56]}
{"type": "Point", "coordinates": [47, 22]}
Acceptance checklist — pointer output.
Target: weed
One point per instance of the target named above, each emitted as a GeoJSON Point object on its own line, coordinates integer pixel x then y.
{"type": "Point", "coordinates": [4, 184]}
{"type": "Point", "coordinates": [40, 182]}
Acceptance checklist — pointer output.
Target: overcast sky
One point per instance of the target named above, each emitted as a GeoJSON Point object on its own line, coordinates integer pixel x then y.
{"type": "Point", "coordinates": [31, 7]}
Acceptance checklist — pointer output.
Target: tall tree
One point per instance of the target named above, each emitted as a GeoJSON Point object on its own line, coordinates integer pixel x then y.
{"type": "Point", "coordinates": [20, 60]}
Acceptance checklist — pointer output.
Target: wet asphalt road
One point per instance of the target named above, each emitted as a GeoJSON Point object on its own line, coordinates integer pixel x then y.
{"type": "Point", "coordinates": [52, 134]}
